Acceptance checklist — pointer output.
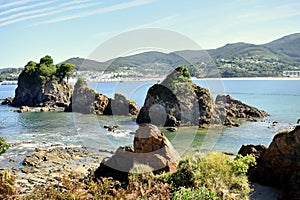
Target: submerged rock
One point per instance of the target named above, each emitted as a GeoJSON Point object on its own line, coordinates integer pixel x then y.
{"type": "Point", "coordinates": [7, 101]}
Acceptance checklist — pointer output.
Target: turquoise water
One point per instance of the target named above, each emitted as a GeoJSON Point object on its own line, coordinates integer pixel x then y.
{"type": "Point", "coordinates": [278, 97]}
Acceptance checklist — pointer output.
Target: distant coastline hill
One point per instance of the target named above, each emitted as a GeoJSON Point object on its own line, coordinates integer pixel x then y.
{"type": "Point", "coordinates": [232, 60]}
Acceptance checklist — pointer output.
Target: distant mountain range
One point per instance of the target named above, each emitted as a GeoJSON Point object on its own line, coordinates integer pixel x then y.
{"type": "Point", "coordinates": [284, 51]}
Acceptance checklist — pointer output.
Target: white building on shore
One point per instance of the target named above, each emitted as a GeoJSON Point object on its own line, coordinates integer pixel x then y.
{"type": "Point", "coordinates": [291, 73]}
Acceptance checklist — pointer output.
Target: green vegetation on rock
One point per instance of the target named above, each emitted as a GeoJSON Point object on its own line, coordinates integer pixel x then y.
{"type": "Point", "coordinates": [3, 145]}
{"type": "Point", "coordinates": [45, 70]}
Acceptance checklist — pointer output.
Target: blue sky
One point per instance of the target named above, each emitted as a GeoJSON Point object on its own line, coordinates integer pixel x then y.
{"type": "Point", "coordinates": [30, 29]}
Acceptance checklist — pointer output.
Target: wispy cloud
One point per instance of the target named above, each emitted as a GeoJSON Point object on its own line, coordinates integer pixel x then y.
{"type": "Point", "coordinates": [21, 8]}
{"type": "Point", "coordinates": [112, 8]}
{"type": "Point", "coordinates": [19, 17]}
{"type": "Point", "coordinates": [16, 3]}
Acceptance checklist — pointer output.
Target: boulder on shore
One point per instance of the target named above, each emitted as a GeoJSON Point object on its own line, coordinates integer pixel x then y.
{"type": "Point", "coordinates": [279, 165]}
{"type": "Point", "coordinates": [150, 148]}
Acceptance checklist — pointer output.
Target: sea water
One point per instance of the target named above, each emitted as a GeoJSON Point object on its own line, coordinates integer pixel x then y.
{"type": "Point", "coordinates": [26, 131]}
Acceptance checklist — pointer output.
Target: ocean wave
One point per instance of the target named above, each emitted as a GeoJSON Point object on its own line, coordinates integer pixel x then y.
{"type": "Point", "coordinates": [120, 133]}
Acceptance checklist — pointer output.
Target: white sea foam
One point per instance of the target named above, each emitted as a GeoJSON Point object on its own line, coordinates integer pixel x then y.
{"type": "Point", "coordinates": [120, 133]}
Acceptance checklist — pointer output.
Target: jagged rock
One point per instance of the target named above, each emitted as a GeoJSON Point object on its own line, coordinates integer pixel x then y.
{"type": "Point", "coordinates": [119, 105]}
{"type": "Point", "coordinates": [279, 165]}
{"type": "Point", "coordinates": [178, 101]}
{"type": "Point", "coordinates": [86, 100]}
{"type": "Point", "coordinates": [237, 109]}
{"type": "Point", "coordinates": [151, 148]}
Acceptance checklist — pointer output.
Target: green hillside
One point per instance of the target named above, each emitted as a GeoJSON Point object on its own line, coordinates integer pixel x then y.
{"type": "Point", "coordinates": [231, 60]}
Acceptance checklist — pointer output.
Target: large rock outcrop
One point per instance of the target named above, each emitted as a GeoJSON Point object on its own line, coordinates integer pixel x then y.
{"type": "Point", "coordinates": [178, 101]}
{"type": "Point", "coordinates": [34, 93]}
{"type": "Point", "coordinates": [150, 148]}
{"type": "Point", "coordinates": [40, 84]}
{"type": "Point", "coordinates": [279, 165]}
{"type": "Point", "coordinates": [86, 100]}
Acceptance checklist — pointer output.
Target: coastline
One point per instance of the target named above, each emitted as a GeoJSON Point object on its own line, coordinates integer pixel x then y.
{"type": "Point", "coordinates": [148, 79]}
{"type": "Point", "coordinates": [253, 78]}
{"type": "Point", "coordinates": [193, 78]}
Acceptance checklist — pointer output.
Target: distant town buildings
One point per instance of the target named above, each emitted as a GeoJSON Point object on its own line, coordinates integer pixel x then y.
{"type": "Point", "coordinates": [291, 73]}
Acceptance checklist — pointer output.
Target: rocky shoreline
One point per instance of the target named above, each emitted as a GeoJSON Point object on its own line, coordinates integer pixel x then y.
{"type": "Point", "coordinates": [177, 101]}
{"type": "Point", "coordinates": [49, 164]}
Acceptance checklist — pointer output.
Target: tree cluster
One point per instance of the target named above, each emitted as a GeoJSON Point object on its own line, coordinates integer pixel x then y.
{"type": "Point", "coordinates": [46, 71]}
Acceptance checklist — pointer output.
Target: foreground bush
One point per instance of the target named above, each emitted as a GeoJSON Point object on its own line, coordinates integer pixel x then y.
{"type": "Point", "coordinates": [3, 145]}
{"type": "Point", "coordinates": [222, 176]}
{"type": "Point", "coordinates": [7, 185]}
{"type": "Point", "coordinates": [188, 194]}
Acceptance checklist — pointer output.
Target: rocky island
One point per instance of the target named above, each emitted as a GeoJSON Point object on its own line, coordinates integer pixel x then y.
{"type": "Point", "coordinates": [177, 101]}
{"type": "Point", "coordinates": [42, 85]}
